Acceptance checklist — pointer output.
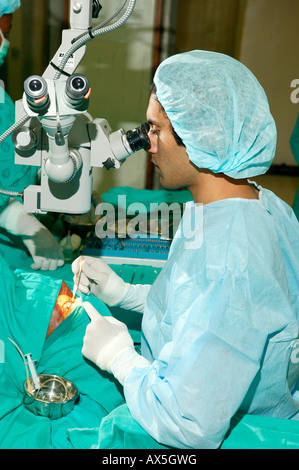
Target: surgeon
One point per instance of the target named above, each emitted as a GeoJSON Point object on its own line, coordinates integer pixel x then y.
{"type": "Point", "coordinates": [42, 246]}
{"type": "Point", "coordinates": [220, 323]}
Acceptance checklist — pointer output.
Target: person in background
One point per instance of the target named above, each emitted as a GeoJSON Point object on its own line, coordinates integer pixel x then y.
{"type": "Point", "coordinates": [42, 246]}
{"type": "Point", "coordinates": [294, 143]}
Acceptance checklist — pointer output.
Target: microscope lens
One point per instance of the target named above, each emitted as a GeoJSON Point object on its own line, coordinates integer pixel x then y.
{"type": "Point", "coordinates": [35, 85]}
{"type": "Point", "coordinates": [78, 83]}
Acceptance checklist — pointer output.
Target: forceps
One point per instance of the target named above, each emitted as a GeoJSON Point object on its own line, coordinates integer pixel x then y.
{"type": "Point", "coordinates": [78, 281]}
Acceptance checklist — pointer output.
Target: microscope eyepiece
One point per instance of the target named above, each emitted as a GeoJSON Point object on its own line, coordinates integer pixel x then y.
{"type": "Point", "coordinates": [77, 86]}
{"type": "Point", "coordinates": [138, 138]}
{"type": "Point", "coordinates": [123, 144]}
{"type": "Point", "coordinates": [36, 91]}
{"type": "Point", "coordinates": [35, 88]}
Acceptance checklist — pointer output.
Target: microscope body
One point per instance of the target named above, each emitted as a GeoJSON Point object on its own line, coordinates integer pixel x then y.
{"type": "Point", "coordinates": [65, 162]}
{"type": "Point", "coordinates": [60, 137]}
{"type": "Point", "coordinates": [35, 145]}
{"type": "Point", "coordinates": [72, 196]}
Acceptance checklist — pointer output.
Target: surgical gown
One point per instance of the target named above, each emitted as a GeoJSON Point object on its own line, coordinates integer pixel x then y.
{"type": "Point", "coordinates": [12, 177]}
{"type": "Point", "coordinates": [220, 325]}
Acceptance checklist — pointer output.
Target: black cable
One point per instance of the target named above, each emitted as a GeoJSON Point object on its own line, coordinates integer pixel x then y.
{"type": "Point", "coordinates": [59, 69]}
{"type": "Point", "coordinates": [90, 32]}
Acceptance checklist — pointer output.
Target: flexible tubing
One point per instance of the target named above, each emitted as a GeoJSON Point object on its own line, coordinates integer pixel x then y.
{"type": "Point", "coordinates": [13, 127]}
{"type": "Point", "coordinates": [96, 32]}
{"type": "Point", "coordinates": [10, 193]}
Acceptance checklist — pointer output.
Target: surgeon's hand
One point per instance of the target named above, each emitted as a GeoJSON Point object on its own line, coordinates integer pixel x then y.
{"type": "Point", "coordinates": [42, 246]}
{"type": "Point", "coordinates": [109, 345]}
{"type": "Point", "coordinates": [99, 279]}
{"type": "Point", "coordinates": [45, 250]}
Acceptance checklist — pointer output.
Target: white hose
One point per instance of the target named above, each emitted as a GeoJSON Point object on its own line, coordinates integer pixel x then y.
{"type": "Point", "coordinates": [22, 356]}
{"type": "Point", "coordinates": [11, 193]}
{"type": "Point", "coordinates": [97, 31]}
{"type": "Point", "coordinates": [14, 127]}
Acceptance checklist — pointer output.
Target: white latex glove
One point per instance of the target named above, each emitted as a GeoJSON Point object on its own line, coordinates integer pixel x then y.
{"type": "Point", "coordinates": [44, 249]}
{"type": "Point", "coordinates": [99, 279]}
{"type": "Point", "coordinates": [108, 344]}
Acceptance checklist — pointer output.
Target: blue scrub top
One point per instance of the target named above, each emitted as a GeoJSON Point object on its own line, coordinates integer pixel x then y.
{"type": "Point", "coordinates": [12, 177]}
{"type": "Point", "coordinates": [220, 325]}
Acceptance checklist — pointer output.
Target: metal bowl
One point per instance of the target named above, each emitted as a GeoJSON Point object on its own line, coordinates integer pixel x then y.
{"type": "Point", "coordinates": [55, 398]}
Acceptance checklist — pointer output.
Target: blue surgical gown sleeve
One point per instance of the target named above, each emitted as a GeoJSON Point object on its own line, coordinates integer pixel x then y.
{"type": "Point", "coordinates": [12, 177]}
{"type": "Point", "coordinates": [218, 326]}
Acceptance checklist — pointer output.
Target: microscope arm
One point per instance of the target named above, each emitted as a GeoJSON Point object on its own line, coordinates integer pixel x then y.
{"type": "Point", "coordinates": [58, 137]}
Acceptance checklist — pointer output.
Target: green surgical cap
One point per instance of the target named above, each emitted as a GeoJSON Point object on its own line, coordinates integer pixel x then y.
{"type": "Point", "coordinates": [9, 6]}
{"type": "Point", "coordinates": [220, 111]}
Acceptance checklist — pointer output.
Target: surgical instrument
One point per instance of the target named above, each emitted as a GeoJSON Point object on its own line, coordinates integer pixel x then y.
{"type": "Point", "coordinates": [78, 281]}
{"type": "Point", "coordinates": [28, 362]}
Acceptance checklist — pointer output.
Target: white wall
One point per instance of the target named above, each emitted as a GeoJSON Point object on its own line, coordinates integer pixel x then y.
{"type": "Point", "coordinates": [269, 47]}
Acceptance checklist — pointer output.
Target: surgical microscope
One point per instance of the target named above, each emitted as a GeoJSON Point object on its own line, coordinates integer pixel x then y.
{"type": "Point", "coordinates": [53, 129]}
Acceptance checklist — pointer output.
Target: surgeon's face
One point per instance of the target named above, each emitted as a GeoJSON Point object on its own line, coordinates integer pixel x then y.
{"type": "Point", "coordinates": [171, 160]}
